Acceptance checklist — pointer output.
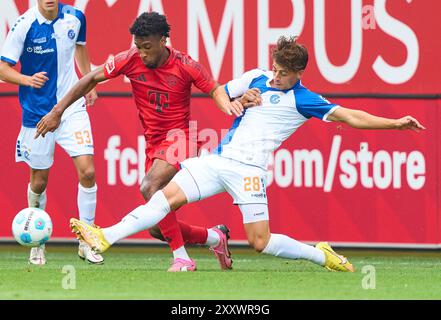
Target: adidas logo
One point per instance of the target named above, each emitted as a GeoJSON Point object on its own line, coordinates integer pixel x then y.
{"type": "Point", "coordinates": [141, 78]}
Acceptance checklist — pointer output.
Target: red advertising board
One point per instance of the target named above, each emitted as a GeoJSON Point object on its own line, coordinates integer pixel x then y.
{"type": "Point", "coordinates": [328, 181]}
{"type": "Point", "coordinates": [355, 46]}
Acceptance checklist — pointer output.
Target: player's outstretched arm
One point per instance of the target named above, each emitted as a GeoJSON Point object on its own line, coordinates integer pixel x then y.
{"type": "Point", "coordinates": [10, 75]}
{"type": "Point", "coordinates": [363, 120]}
{"type": "Point", "coordinates": [52, 120]}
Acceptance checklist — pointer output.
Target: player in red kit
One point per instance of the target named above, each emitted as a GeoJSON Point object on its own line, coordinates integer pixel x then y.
{"type": "Point", "coordinates": [161, 79]}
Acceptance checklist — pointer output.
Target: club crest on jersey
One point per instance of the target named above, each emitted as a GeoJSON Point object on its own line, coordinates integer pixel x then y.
{"type": "Point", "coordinates": [110, 65]}
{"type": "Point", "coordinates": [23, 150]}
{"type": "Point", "coordinates": [172, 80]}
{"type": "Point", "coordinates": [275, 99]}
{"type": "Point", "coordinates": [71, 34]}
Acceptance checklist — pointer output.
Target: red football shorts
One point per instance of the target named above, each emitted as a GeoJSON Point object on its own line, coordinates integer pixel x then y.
{"type": "Point", "coordinates": [171, 151]}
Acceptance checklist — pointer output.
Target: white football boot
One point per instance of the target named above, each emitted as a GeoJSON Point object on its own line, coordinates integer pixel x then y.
{"type": "Point", "coordinates": [85, 252]}
{"type": "Point", "coordinates": [37, 255]}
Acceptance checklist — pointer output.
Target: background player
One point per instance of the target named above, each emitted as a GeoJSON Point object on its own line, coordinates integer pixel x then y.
{"type": "Point", "coordinates": [239, 164]}
{"type": "Point", "coordinates": [45, 40]}
{"type": "Point", "coordinates": [161, 79]}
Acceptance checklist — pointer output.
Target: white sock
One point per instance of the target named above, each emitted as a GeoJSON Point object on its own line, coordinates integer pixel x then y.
{"type": "Point", "coordinates": [36, 200]}
{"type": "Point", "coordinates": [283, 246]}
{"type": "Point", "coordinates": [213, 238]}
{"type": "Point", "coordinates": [181, 253]}
{"type": "Point", "coordinates": [86, 201]}
{"type": "Point", "coordinates": [142, 218]}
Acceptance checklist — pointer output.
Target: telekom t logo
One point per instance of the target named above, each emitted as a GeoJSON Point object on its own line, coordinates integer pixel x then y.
{"type": "Point", "coordinates": [158, 99]}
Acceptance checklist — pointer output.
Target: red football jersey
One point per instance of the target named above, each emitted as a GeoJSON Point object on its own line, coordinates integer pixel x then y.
{"type": "Point", "coordinates": [162, 95]}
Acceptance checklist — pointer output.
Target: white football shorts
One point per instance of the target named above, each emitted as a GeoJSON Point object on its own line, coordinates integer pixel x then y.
{"type": "Point", "coordinates": [74, 135]}
{"type": "Point", "coordinates": [205, 176]}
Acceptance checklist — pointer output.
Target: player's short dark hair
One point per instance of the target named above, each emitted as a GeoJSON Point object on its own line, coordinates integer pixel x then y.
{"type": "Point", "coordinates": [290, 54]}
{"type": "Point", "coordinates": [150, 23]}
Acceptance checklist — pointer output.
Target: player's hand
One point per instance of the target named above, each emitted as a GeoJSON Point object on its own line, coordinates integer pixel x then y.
{"type": "Point", "coordinates": [91, 98]}
{"type": "Point", "coordinates": [251, 98]}
{"type": "Point", "coordinates": [234, 107]}
{"type": "Point", "coordinates": [48, 123]}
{"type": "Point", "coordinates": [409, 123]}
{"type": "Point", "coordinates": [37, 80]}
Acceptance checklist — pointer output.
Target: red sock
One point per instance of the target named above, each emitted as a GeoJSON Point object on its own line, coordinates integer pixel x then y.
{"type": "Point", "coordinates": [171, 231]}
{"type": "Point", "coordinates": [193, 234]}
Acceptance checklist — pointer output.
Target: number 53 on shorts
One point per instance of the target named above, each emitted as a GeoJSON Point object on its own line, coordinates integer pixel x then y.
{"type": "Point", "coordinates": [83, 137]}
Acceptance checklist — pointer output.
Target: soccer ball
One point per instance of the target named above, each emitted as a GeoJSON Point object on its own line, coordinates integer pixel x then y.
{"type": "Point", "coordinates": [32, 227]}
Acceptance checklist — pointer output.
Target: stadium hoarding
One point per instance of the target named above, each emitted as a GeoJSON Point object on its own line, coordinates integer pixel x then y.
{"type": "Point", "coordinates": [327, 182]}
{"type": "Point", "coordinates": [377, 46]}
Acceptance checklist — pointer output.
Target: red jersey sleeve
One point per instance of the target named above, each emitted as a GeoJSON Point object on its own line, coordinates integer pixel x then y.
{"type": "Point", "coordinates": [117, 65]}
{"type": "Point", "coordinates": [200, 76]}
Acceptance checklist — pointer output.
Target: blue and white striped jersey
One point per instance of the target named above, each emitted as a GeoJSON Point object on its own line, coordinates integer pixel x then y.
{"type": "Point", "coordinates": [262, 129]}
{"type": "Point", "coordinates": [43, 45]}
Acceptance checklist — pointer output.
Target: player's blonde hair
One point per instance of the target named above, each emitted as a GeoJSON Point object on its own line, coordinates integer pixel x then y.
{"type": "Point", "coordinates": [290, 54]}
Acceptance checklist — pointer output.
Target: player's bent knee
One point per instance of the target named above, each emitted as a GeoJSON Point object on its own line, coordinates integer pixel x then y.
{"type": "Point", "coordinates": [259, 244]}
{"type": "Point", "coordinates": [88, 175]}
{"type": "Point", "coordinates": [175, 196]}
{"type": "Point", "coordinates": [38, 186]}
{"type": "Point", "coordinates": [38, 183]}
{"type": "Point", "coordinates": [147, 190]}
{"type": "Point", "coordinates": [143, 190]}
{"type": "Point", "coordinates": [155, 232]}
{"type": "Point", "coordinates": [184, 184]}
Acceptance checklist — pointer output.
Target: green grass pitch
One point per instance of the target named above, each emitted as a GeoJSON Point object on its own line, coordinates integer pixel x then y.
{"type": "Point", "coordinates": [140, 273]}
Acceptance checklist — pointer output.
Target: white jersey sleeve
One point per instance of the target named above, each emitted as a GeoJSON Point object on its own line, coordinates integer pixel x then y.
{"type": "Point", "coordinates": [237, 87]}
{"type": "Point", "coordinates": [81, 38]}
{"type": "Point", "coordinates": [82, 34]}
{"type": "Point", "coordinates": [311, 104]}
{"type": "Point", "coordinates": [14, 43]}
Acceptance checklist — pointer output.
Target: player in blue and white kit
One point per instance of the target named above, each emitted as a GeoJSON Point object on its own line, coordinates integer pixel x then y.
{"type": "Point", "coordinates": [46, 39]}
{"type": "Point", "coordinates": [239, 165]}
